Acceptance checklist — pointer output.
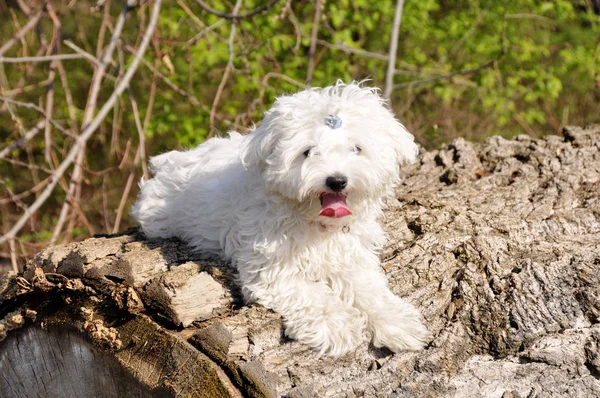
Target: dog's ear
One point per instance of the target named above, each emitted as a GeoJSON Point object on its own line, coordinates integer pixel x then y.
{"type": "Point", "coordinates": [404, 142]}
{"type": "Point", "coordinates": [398, 137]}
{"type": "Point", "coordinates": [259, 144]}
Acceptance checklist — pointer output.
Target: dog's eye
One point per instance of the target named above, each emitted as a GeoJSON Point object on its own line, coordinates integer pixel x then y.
{"type": "Point", "coordinates": [306, 153]}
{"type": "Point", "coordinates": [356, 149]}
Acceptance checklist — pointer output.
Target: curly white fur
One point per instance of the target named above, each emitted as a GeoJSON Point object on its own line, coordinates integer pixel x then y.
{"type": "Point", "coordinates": [254, 200]}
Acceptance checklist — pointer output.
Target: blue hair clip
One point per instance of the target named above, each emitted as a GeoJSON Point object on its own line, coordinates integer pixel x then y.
{"type": "Point", "coordinates": [333, 122]}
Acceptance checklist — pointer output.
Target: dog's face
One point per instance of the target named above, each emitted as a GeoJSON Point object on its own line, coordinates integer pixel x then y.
{"type": "Point", "coordinates": [334, 151]}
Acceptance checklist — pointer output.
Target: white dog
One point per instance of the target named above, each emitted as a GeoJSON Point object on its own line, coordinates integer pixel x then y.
{"type": "Point", "coordinates": [294, 206]}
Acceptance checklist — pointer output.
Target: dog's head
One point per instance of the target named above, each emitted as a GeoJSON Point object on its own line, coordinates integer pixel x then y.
{"type": "Point", "coordinates": [334, 151]}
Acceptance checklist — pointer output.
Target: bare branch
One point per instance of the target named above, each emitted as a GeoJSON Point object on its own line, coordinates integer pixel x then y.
{"type": "Point", "coordinates": [21, 141]}
{"type": "Point", "coordinates": [99, 72]}
{"type": "Point", "coordinates": [235, 15]}
{"type": "Point", "coordinates": [448, 76]}
{"type": "Point", "coordinates": [89, 129]}
{"type": "Point", "coordinates": [90, 108]}
{"type": "Point", "coordinates": [26, 193]}
{"type": "Point", "coordinates": [228, 69]}
{"type": "Point", "coordinates": [68, 96]}
{"type": "Point", "coordinates": [169, 83]}
{"type": "Point", "coordinates": [102, 32]}
{"type": "Point", "coordinates": [44, 58]}
{"type": "Point", "coordinates": [15, 91]}
{"type": "Point", "coordinates": [38, 109]}
{"type": "Point", "coordinates": [140, 154]}
{"type": "Point", "coordinates": [30, 25]}
{"type": "Point", "coordinates": [357, 51]}
{"type": "Point", "coordinates": [530, 16]}
{"type": "Point", "coordinates": [13, 255]}
{"type": "Point", "coordinates": [294, 21]}
{"type": "Point", "coordinates": [81, 51]}
{"type": "Point", "coordinates": [389, 77]}
{"type": "Point", "coordinates": [31, 166]}
{"type": "Point", "coordinates": [24, 7]}
{"type": "Point", "coordinates": [269, 75]}
{"type": "Point", "coordinates": [212, 27]}
{"type": "Point", "coordinates": [54, 47]}
{"type": "Point", "coordinates": [141, 134]}
{"type": "Point", "coordinates": [313, 42]}
{"type": "Point", "coordinates": [126, 190]}
{"type": "Point", "coordinates": [49, 112]}
{"type": "Point", "coordinates": [190, 14]}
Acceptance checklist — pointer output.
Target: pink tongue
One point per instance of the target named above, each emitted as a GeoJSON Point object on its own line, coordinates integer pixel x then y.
{"type": "Point", "coordinates": [334, 206]}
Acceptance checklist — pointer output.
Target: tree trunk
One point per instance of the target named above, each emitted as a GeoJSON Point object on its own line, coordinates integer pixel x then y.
{"type": "Point", "coordinates": [498, 244]}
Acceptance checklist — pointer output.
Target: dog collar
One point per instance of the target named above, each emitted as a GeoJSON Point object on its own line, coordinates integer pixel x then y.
{"type": "Point", "coordinates": [330, 228]}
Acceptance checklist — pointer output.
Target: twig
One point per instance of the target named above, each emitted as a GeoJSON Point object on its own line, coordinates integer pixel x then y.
{"type": "Point", "coordinates": [313, 42]}
{"type": "Point", "coordinates": [269, 75]}
{"type": "Point", "coordinates": [15, 91]}
{"type": "Point", "coordinates": [105, 204]}
{"type": "Point", "coordinates": [357, 51]}
{"type": "Point", "coordinates": [18, 27]}
{"type": "Point", "coordinates": [468, 33]}
{"type": "Point", "coordinates": [530, 16]}
{"type": "Point", "coordinates": [54, 47]}
{"type": "Point", "coordinates": [190, 14]}
{"type": "Point", "coordinates": [228, 70]}
{"type": "Point", "coordinates": [126, 190]}
{"type": "Point", "coordinates": [31, 166]}
{"type": "Point", "coordinates": [16, 200]}
{"type": "Point", "coordinates": [83, 218]}
{"type": "Point", "coordinates": [81, 51]}
{"type": "Point", "coordinates": [150, 106]}
{"type": "Point", "coordinates": [38, 109]}
{"type": "Point", "coordinates": [125, 154]}
{"type": "Point", "coordinates": [30, 25]}
{"type": "Point", "coordinates": [294, 21]}
{"type": "Point", "coordinates": [68, 96]}
{"type": "Point", "coordinates": [90, 108]}
{"type": "Point", "coordinates": [21, 141]}
{"type": "Point", "coordinates": [30, 66]}
{"type": "Point", "coordinates": [99, 72]}
{"type": "Point", "coordinates": [141, 133]}
{"type": "Point", "coordinates": [139, 153]}
{"type": "Point", "coordinates": [13, 115]}
{"type": "Point", "coordinates": [117, 119]}
{"type": "Point", "coordinates": [13, 255]}
{"type": "Point", "coordinates": [204, 31]}
{"type": "Point", "coordinates": [524, 124]}
{"type": "Point", "coordinates": [169, 83]}
{"type": "Point", "coordinates": [26, 193]}
{"type": "Point", "coordinates": [102, 32]}
{"type": "Point", "coordinates": [235, 15]}
{"type": "Point", "coordinates": [24, 7]}
{"type": "Point", "coordinates": [49, 111]}
{"type": "Point", "coordinates": [389, 76]}
{"type": "Point", "coordinates": [448, 76]}
{"type": "Point", "coordinates": [43, 58]}
{"type": "Point", "coordinates": [89, 130]}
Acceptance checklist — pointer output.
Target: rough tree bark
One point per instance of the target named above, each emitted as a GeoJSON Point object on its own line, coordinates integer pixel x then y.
{"type": "Point", "coordinates": [497, 243]}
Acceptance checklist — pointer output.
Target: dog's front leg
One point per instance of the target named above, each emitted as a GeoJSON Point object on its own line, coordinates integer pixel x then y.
{"type": "Point", "coordinates": [393, 322]}
{"type": "Point", "coordinates": [312, 314]}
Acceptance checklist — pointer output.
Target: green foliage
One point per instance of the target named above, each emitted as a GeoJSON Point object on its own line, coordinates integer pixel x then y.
{"type": "Point", "coordinates": [546, 62]}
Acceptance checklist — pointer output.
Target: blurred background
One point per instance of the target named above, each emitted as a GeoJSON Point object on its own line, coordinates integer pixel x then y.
{"type": "Point", "coordinates": [467, 68]}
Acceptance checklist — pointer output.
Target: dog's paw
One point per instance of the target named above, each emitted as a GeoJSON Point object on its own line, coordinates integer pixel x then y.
{"type": "Point", "coordinates": [334, 333]}
{"type": "Point", "coordinates": [402, 329]}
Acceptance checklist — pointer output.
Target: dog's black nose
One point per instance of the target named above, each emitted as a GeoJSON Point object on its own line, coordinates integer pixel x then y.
{"type": "Point", "coordinates": [336, 183]}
